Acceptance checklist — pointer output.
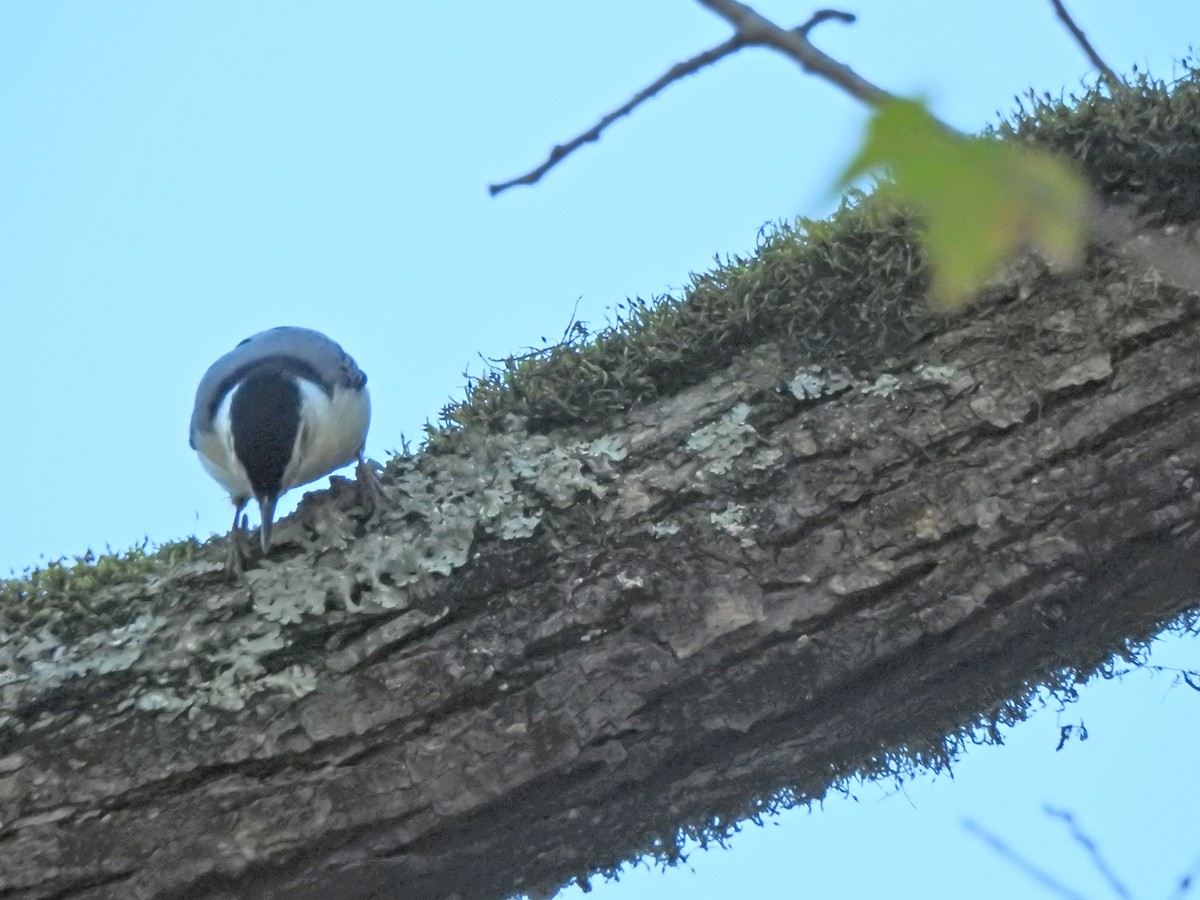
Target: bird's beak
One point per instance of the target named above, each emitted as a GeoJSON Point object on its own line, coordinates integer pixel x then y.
{"type": "Point", "coordinates": [266, 511]}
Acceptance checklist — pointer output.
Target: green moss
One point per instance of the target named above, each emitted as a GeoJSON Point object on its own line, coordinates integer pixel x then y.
{"type": "Point", "coordinates": [67, 590]}
{"type": "Point", "coordinates": [849, 289]}
{"type": "Point", "coordinates": [1141, 145]}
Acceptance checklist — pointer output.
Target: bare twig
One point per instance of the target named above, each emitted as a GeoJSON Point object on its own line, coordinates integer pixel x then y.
{"type": "Point", "coordinates": [675, 73]}
{"type": "Point", "coordinates": [751, 29]}
{"type": "Point", "coordinates": [1174, 262]}
{"type": "Point", "coordinates": [760, 31]}
{"type": "Point", "coordinates": [1187, 881]}
{"type": "Point", "coordinates": [1190, 677]}
{"type": "Point", "coordinates": [1092, 850]}
{"type": "Point", "coordinates": [1041, 876]}
{"type": "Point", "coordinates": [1108, 74]}
{"type": "Point", "coordinates": [824, 15]}
{"type": "Point", "coordinates": [573, 335]}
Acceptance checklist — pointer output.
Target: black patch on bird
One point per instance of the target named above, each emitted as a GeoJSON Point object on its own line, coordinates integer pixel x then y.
{"type": "Point", "coordinates": [284, 365]}
{"type": "Point", "coordinates": [264, 416]}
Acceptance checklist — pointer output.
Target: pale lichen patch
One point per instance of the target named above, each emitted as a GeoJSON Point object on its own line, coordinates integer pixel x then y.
{"type": "Point", "coordinates": [518, 526]}
{"type": "Point", "coordinates": [162, 701]}
{"type": "Point", "coordinates": [935, 374]}
{"type": "Point", "coordinates": [885, 386]}
{"type": "Point", "coordinates": [812, 382]}
{"type": "Point", "coordinates": [663, 529]}
{"type": "Point", "coordinates": [731, 519]}
{"type": "Point", "coordinates": [719, 443]}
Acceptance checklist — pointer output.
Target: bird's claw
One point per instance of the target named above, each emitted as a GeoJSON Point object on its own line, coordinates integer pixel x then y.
{"type": "Point", "coordinates": [235, 559]}
{"type": "Point", "coordinates": [370, 489]}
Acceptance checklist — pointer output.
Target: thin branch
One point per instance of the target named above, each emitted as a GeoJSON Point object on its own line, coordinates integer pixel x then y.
{"type": "Point", "coordinates": [1092, 850]}
{"type": "Point", "coordinates": [760, 31]}
{"type": "Point", "coordinates": [1190, 677]}
{"type": "Point", "coordinates": [675, 73]}
{"type": "Point", "coordinates": [1041, 876]}
{"type": "Point", "coordinates": [1108, 74]}
{"type": "Point", "coordinates": [1187, 881]}
{"type": "Point", "coordinates": [824, 15]}
{"type": "Point", "coordinates": [751, 29]}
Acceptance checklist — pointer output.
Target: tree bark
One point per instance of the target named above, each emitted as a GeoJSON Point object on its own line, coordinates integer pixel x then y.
{"type": "Point", "coordinates": [548, 654]}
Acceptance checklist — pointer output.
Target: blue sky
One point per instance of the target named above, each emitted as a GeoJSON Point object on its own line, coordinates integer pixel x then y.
{"type": "Point", "coordinates": [176, 176]}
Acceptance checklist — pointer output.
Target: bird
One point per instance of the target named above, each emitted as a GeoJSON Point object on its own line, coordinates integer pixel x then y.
{"type": "Point", "coordinates": [283, 408]}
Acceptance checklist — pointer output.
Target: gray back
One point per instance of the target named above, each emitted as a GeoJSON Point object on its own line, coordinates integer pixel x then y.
{"type": "Point", "coordinates": [299, 351]}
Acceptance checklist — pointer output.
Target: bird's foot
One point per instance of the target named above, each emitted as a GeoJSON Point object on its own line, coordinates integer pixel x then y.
{"type": "Point", "coordinates": [235, 560]}
{"type": "Point", "coordinates": [370, 489]}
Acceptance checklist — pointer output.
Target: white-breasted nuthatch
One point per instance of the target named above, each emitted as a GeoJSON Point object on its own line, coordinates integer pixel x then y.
{"type": "Point", "coordinates": [282, 408]}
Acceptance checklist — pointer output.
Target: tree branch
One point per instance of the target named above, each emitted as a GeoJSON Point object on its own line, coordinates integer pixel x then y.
{"type": "Point", "coordinates": [1038, 874]}
{"type": "Point", "coordinates": [546, 656]}
{"type": "Point", "coordinates": [751, 30]}
{"type": "Point", "coordinates": [1186, 881]}
{"type": "Point", "coordinates": [675, 73]}
{"type": "Point", "coordinates": [761, 31]}
{"type": "Point", "coordinates": [1108, 74]}
{"type": "Point", "coordinates": [1092, 850]}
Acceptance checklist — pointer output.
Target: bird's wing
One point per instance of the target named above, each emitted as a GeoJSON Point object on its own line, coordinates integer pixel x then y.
{"type": "Point", "coordinates": [306, 352]}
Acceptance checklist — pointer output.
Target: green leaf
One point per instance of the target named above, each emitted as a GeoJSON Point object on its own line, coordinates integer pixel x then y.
{"type": "Point", "coordinates": [982, 200]}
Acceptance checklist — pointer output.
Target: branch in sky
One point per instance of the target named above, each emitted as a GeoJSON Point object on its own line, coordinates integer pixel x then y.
{"type": "Point", "coordinates": [1109, 75]}
{"type": "Point", "coordinates": [1064, 219]}
{"type": "Point", "coordinates": [675, 73]}
{"type": "Point", "coordinates": [1093, 851]}
{"type": "Point", "coordinates": [1038, 874]}
{"type": "Point", "coordinates": [751, 29]}
{"type": "Point", "coordinates": [760, 31]}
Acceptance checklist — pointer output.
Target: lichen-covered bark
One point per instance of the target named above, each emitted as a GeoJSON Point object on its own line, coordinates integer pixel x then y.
{"type": "Point", "coordinates": [551, 653]}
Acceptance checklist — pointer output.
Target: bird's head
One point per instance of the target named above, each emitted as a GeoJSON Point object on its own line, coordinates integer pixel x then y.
{"type": "Point", "coordinates": [265, 423]}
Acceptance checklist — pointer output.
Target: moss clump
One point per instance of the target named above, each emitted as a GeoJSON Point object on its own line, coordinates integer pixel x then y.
{"type": "Point", "coordinates": [847, 290]}
{"type": "Point", "coordinates": [1138, 144]}
{"type": "Point", "coordinates": [65, 591]}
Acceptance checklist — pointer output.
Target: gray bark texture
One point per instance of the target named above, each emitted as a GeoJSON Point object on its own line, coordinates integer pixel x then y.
{"type": "Point", "coordinates": [550, 653]}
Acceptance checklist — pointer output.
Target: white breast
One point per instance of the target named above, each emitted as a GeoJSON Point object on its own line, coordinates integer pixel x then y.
{"type": "Point", "coordinates": [216, 454]}
{"type": "Point", "coordinates": [332, 432]}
